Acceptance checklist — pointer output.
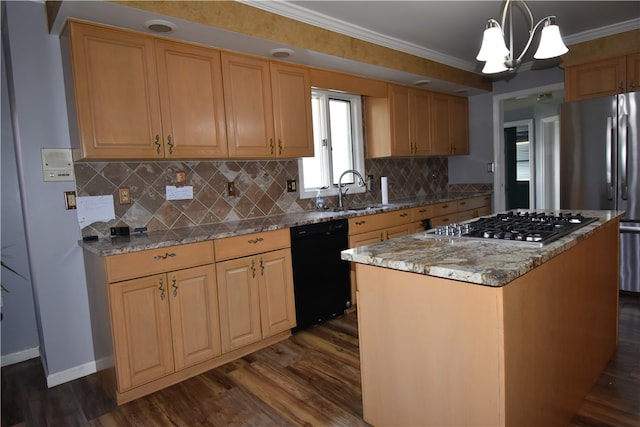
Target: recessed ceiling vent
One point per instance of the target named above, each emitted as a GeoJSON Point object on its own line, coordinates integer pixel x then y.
{"type": "Point", "coordinates": [160, 26]}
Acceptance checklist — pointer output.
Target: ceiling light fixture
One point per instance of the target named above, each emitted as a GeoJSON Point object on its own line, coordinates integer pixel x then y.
{"type": "Point", "coordinates": [160, 26]}
{"type": "Point", "coordinates": [281, 52]}
{"type": "Point", "coordinates": [499, 58]}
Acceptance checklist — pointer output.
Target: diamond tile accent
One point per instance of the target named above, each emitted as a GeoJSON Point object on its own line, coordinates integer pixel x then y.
{"type": "Point", "coordinates": [260, 185]}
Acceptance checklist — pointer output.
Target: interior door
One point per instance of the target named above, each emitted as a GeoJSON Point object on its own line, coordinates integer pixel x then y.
{"type": "Point", "coordinates": [516, 180]}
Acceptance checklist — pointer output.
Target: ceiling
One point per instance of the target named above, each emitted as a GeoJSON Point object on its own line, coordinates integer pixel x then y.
{"type": "Point", "coordinates": [444, 31]}
{"type": "Point", "coordinates": [451, 31]}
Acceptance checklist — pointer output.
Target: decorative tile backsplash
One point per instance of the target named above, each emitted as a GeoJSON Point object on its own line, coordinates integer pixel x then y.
{"type": "Point", "coordinates": [260, 189]}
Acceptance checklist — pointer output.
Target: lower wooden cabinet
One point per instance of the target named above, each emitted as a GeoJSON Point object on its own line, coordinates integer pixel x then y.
{"type": "Point", "coordinates": [256, 298]}
{"type": "Point", "coordinates": [164, 323]}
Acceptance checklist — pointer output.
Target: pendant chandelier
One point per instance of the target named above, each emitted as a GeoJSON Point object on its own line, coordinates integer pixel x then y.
{"type": "Point", "coordinates": [499, 58]}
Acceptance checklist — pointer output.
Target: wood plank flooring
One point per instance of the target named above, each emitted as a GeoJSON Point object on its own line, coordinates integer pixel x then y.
{"type": "Point", "coordinates": [312, 379]}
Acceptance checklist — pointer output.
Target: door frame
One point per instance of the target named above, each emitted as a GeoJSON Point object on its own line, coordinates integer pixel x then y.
{"type": "Point", "coordinates": [499, 194]}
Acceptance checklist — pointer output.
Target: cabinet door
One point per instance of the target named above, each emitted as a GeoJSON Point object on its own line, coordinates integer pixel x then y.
{"type": "Point", "coordinates": [195, 323]}
{"type": "Point", "coordinates": [248, 106]}
{"type": "Point", "coordinates": [399, 109]}
{"type": "Point", "coordinates": [141, 330]}
{"type": "Point", "coordinates": [239, 302]}
{"type": "Point", "coordinates": [397, 231]}
{"type": "Point", "coordinates": [190, 79]}
{"type": "Point", "coordinates": [116, 92]}
{"type": "Point", "coordinates": [459, 125]}
{"type": "Point", "coordinates": [419, 122]}
{"type": "Point", "coordinates": [291, 89]}
{"type": "Point", "coordinates": [595, 79]}
{"type": "Point", "coordinates": [633, 72]}
{"type": "Point", "coordinates": [277, 304]}
{"type": "Point", "coordinates": [440, 133]}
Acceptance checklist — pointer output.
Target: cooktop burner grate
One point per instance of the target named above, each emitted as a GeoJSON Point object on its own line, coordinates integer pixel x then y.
{"type": "Point", "coordinates": [536, 228]}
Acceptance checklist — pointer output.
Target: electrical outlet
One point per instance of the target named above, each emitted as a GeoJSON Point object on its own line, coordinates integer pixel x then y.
{"type": "Point", "coordinates": [70, 200]}
{"type": "Point", "coordinates": [231, 189]}
{"type": "Point", "coordinates": [292, 185]}
{"type": "Point", "coordinates": [124, 195]}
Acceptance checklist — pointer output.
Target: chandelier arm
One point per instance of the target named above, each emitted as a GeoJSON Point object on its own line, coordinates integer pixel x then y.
{"type": "Point", "coordinates": [533, 32]}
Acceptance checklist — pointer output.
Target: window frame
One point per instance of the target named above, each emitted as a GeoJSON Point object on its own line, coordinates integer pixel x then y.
{"type": "Point", "coordinates": [357, 141]}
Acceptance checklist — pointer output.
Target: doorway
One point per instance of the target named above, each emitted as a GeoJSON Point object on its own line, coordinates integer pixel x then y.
{"type": "Point", "coordinates": [530, 104]}
{"type": "Point", "coordinates": [520, 171]}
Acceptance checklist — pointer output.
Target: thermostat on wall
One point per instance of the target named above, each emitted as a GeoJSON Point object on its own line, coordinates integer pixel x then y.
{"type": "Point", "coordinates": [57, 164]}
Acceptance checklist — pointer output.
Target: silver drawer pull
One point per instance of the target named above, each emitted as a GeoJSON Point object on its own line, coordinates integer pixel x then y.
{"type": "Point", "coordinates": [165, 256]}
{"type": "Point", "coordinates": [258, 240]}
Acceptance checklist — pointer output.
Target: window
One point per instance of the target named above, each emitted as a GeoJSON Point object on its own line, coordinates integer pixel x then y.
{"type": "Point", "coordinates": [338, 145]}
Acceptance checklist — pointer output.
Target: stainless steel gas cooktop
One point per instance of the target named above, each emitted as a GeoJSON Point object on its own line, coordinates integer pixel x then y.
{"type": "Point", "coordinates": [532, 228]}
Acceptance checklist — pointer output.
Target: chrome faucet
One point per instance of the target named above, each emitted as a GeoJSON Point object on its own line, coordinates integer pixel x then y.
{"type": "Point", "coordinates": [340, 194]}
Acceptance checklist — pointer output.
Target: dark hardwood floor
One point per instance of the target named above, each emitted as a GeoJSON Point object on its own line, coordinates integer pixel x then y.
{"type": "Point", "coordinates": [312, 379]}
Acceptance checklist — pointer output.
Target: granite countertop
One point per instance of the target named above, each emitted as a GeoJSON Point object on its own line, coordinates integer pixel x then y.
{"type": "Point", "coordinates": [159, 239]}
{"type": "Point", "coordinates": [490, 263]}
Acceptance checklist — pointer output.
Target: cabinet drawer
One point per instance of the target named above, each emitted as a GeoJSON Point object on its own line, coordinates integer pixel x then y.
{"type": "Point", "coordinates": [444, 208]}
{"type": "Point", "coordinates": [362, 224]}
{"type": "Point", "coordinates": [444, 220]}
{"type": "Point", "coordinates": [250, 244]}
{"type": "Point", "coordinates": [421, 212]}
{"type": "Point", "coordinates": [152, 261]}
{"type": "Point", "coordinates": [474, 202]}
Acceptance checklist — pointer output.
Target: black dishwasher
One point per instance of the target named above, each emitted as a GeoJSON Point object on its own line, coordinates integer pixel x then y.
{"type": "Point", "coordinates": [321, 279]}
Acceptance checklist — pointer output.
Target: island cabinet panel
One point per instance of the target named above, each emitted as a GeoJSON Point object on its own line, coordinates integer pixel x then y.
{"type": "Point", "coordinates": [268, 108]}
{"type": "Point", "coordinates": [140, 97]}
{"type": "Point", "coordinates": [445, 352]}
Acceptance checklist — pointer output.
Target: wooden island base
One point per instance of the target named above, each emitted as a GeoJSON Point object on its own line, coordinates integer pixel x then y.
{"type": "Point", "coordinates": [438, 352]}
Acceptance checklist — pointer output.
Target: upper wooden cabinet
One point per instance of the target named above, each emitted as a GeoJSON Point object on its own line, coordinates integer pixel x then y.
{"type": "Point", "coordinates": [449, 125]}
{"type": "Point", "coordinates": [413, 122]}
{"type": "Point", "coordinates": [268, 108]}
{"type": "Point", "coordinates": [602, 78]}
{"type": "Point", "coordinates": [398, 125]}
{"type": "Point", "coordinates": [137, 97]}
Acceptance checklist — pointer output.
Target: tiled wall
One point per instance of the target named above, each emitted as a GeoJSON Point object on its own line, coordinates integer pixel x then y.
{"type": "Point", "coordinates": [260, 189]}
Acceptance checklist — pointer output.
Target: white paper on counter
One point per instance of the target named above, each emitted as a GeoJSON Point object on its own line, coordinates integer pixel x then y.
{"type": "Point", "coordinates": [385, 190]}
{"type": "Point", "coordinates": [92, 209]}
{"type": "Point", "coordinates": [179, 193]}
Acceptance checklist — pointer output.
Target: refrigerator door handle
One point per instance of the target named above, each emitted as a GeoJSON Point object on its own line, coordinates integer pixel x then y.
{"type": "Point", "coordinates": [624, 147]}
{"type": "Point", "coordinates": [609, 159]}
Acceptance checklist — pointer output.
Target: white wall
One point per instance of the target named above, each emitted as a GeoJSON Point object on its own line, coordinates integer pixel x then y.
{"type": "Point", "coordinates": [19, 331]}
{"type": "Point", "coordinates": [52, 233]}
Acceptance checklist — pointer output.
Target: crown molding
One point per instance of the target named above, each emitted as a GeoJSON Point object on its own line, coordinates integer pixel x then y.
{"type": "Point", "coordinates": [301, 14]}
{"type": "Point", "coordinates": [607, 30]}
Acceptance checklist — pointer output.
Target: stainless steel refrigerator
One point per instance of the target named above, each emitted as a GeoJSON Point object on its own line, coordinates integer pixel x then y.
{"type": "Point", "coordinates": [599, 168]}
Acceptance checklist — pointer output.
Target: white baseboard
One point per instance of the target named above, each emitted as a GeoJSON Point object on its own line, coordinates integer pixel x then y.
{"type": "Point", "coordinates": [20, 356]}
{"type": "Point", "coordinates": [71, 374]}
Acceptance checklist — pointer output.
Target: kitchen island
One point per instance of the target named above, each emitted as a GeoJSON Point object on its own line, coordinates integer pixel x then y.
{"type": "Point", "coordinates": [458, 332]}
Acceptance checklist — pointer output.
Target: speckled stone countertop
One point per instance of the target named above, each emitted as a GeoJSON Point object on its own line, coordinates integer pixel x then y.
{"type": "Point", "coordinates": [158, 239]}
{"type": "Point", "coordinates": [490, 263]}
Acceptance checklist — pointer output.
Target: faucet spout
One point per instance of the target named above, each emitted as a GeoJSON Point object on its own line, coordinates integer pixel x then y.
{"type": "Point", "coordinates": [340, 193]}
